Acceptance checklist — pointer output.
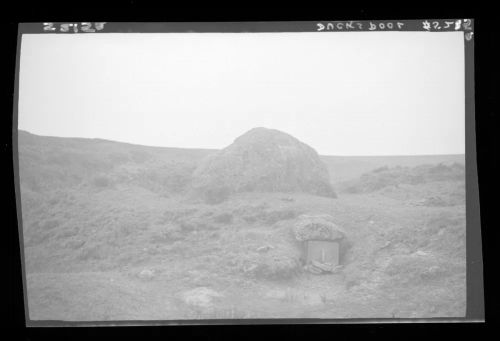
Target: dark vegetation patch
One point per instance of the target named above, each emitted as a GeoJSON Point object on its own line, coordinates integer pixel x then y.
{"type": "Point", "coordinates": [216, 195]}
{"type": "Point", "coordinates": [223, 218]}
{"type": "Point", "coordinates": [172, 178]}
{"type": "Point", "coordinates": [273, 268]}
{"type": "Point", "coordinates": [395, 176]}
{"type": "Point", "coordinates": [441, 233]}
{"type": "Point", "coordinates": [417, 269]}
{"type": "Point", "coordinates": [139, 156]}
{"type": "Point", "coordinates": [264, 213]}
{"type": "Point", "coordinates": [273, 216]}
{"type": "Point", "coordinates": [101, 181]}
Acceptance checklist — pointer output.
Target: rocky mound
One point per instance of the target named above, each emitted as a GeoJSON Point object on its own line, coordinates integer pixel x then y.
{"type": "Point", "coordinates": [264, 160]}
{"type": "Point", "coordinates": [317, 227]}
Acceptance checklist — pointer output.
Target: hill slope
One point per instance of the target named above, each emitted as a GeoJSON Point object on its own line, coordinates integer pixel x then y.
{"type": "Point", "coordinates": [89, 157]}
{"type": "Point", "coordinates": [109, 234]}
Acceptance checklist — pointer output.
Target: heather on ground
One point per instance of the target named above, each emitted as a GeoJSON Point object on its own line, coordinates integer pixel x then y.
{"type": "Point", "coordinates": [113, 231]}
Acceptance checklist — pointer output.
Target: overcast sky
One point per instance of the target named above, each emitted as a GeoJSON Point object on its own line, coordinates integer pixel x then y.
{"type": "Point", "coordinates": [351, 93]}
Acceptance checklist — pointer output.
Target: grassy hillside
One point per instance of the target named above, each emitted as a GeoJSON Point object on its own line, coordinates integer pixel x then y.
{"type": "Point", "coordinates": [47, 163]}
{"type": "Point", "coordinates": [84, 158]}
{"type": "Point", "coordinates": [344, 168]}
{"type": "Point", "coordinates": [109, 233]}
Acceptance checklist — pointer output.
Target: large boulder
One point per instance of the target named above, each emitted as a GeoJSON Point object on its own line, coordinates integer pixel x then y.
{"type": "Point", "coordinates": [263, 160]}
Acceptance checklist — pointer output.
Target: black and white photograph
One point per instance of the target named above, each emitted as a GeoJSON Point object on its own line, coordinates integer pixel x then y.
{"type": "Point", "coordinates": [184, 176]}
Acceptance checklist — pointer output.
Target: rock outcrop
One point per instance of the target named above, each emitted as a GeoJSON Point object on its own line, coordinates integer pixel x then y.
{"type": "Point", "coordinates": [264, 160]}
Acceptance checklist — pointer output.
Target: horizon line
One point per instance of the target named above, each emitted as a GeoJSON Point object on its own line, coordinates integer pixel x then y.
{"type": "Point", "coordinates": [217, 149]}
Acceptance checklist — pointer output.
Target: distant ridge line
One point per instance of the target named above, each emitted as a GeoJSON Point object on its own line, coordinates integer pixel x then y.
{"type": "Point", "coordinates": [21, 131]}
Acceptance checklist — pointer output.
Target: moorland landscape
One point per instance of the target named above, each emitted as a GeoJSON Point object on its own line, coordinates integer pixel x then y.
{"type": "Point", "coordinates": [117, 231]}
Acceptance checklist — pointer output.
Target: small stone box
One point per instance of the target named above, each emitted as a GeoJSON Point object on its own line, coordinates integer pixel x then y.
{"type": "Point", "coordinates": [321, 238]}
{"type": "Point", "coordinates": [323, 251]}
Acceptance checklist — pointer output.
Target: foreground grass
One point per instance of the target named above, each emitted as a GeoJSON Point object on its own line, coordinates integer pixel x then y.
{"type": "Point", "coordinates": [404, 260]}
